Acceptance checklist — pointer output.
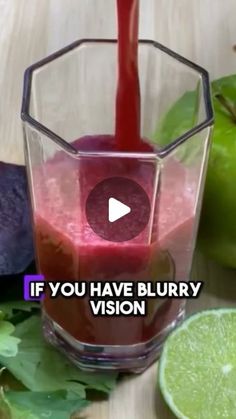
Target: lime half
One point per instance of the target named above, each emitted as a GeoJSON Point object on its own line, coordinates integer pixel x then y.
{"type": "Point", "coordinates": [197, 372]}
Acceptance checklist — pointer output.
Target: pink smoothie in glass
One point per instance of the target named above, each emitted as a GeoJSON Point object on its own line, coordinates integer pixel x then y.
{"type": "Point", "coordinates": [68, 249]}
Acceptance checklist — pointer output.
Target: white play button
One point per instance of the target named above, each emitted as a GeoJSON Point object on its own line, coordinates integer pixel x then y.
{"type": "Point", "coordinates": [117, 210]}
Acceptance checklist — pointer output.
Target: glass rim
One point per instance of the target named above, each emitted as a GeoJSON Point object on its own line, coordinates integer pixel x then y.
{"type": "Point", "coordinates": [163, 151]}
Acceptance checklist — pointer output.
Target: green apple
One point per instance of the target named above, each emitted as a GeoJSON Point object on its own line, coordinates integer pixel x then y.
{"type": "Point", "coordinates": [217, 233]}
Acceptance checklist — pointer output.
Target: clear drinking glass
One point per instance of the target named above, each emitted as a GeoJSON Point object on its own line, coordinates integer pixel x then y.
{"type": "Point", "coordinates": [69, 122]}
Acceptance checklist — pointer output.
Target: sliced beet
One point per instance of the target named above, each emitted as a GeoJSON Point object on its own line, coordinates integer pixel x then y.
{"type": "Point", "coordinates": [16, 243]}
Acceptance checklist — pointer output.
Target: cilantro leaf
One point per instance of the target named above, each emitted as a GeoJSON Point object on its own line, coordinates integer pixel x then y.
{"type": "Point", "coordinates": [7, 411]}
{"type": "Point", "coordinates": [8, 343]}
{"type": "Point", "coordinates": [12, 309]}
{"type": "Point", "coordinates": [11, 306]}
{"type": "Point", "coordinates": [17, 311]}
{"type": "Point", "coordinates": [42, 368]}
{"type": "Point", "coordinates": [56, 405]}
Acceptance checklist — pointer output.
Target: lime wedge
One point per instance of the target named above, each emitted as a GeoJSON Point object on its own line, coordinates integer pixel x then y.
{"type": "Point", "coordinates": [197, 372]}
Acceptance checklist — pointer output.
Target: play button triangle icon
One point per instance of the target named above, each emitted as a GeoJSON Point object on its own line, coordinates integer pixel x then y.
{"type": "Point", "coordinates": [117, 210]}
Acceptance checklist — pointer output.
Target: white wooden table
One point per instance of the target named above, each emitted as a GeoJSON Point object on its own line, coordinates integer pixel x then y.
{"type": "Point", "coordinates": [202, 30]}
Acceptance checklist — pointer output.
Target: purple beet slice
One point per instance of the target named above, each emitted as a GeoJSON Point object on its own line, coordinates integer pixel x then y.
{"type": "Point", "coordinates": [16, 243]}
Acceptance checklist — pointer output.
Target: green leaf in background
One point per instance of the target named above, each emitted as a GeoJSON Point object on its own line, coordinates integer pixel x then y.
{"type": "Point", "coordinates": [11, 307]}
{"type": "Point", "coordinates": [8, 343]}
{"type": "Point", "coordinates": [42, 368]}
{"type": "Point", "coordinates": [8, 411]}
{"type": "Point", "coordinates": [58, 388]}
{"type": "Point", "coordinates": [18, 311]}
{"type": "Point", "coordinates": [4, 407]}
{"type": "Point", "coordinates": [56, 405]}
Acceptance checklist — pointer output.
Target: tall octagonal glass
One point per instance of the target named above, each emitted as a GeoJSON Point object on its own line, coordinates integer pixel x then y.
{"type": "Point", "coordinates": [68, 108]}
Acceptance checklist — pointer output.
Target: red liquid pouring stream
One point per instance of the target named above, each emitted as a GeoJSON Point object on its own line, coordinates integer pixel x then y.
{"type": "Point", "coordinates": [128, 92]}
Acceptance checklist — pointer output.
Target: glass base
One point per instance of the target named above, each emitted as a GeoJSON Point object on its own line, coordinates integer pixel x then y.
{"type": "Point", "coordinates": [88, 357]}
